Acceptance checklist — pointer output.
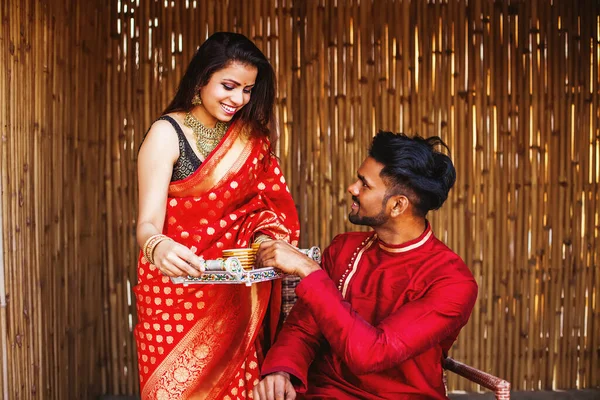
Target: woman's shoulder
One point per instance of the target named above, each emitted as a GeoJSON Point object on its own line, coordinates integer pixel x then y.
{"type": "Point", "coordinates": [166, 127]}
{"type": "Point", "coordinates": [162, 136]}
{"type": "Point", "coordinates": [171, 122]}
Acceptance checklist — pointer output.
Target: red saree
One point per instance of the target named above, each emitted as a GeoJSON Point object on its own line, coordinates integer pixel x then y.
{"type": "Point", "coordinates": [199, 341]}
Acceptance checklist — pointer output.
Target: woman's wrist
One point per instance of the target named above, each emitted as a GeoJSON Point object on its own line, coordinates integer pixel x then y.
{"type": "Point", "coordinates": [150, 246]}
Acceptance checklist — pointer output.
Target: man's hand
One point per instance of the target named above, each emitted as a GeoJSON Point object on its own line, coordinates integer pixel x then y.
{"type": "Point", "coordinates": [276, 386]}
{"type": "Point", "coordinates": [282, 255]}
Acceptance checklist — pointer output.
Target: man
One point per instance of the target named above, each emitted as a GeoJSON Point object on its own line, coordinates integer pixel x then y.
{"type": "Point", "coordinates": [376, 320]}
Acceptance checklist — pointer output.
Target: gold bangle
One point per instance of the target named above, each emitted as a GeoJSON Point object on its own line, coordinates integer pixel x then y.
{"type": "Point", "coordinates": [149, 241]}
{"type": "Point", "coordinates": [155, 244]}
{"type": "Point", "coordinates": [146, 244]}
{"type": "Point", "coordinates": [151, 244]}
{"type": "Point", "coordinates": [145, 248]}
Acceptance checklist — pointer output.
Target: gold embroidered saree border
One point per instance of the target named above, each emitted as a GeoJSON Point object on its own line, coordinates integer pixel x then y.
{"type": "Point", "coordinates": [205, 177]}
{"type": "Point", "coordinates": [191, 360]}
{"type": "Point", "coordinates": [256, 318]}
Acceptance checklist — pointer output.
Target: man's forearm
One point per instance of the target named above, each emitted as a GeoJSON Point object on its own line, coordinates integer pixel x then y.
{"type": "Point", "coordinates": [411, 329]}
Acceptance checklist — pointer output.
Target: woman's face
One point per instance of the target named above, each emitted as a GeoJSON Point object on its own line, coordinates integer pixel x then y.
{"type": "Point", "coordinates": [227, 91]}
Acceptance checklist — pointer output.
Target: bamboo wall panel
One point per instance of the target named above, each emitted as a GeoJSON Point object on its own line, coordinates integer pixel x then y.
{"type": "Point", "coordinates": [52, 119]}
{"type": "Point", "coordinates": [511, 86]}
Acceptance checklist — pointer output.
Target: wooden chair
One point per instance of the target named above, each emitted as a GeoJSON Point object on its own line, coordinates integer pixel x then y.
{"type": "Point", "coordinates": [500, 387]}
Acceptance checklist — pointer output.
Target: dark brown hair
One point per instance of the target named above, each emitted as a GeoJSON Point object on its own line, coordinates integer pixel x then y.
{"type": "Point", "coordinates": [415, 168]}
{"type": "Point", "coordinates": [217, 52]}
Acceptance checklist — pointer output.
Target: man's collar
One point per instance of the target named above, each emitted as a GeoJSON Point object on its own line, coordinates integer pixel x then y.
{"type": "Point", "coordinates": [410, 245]}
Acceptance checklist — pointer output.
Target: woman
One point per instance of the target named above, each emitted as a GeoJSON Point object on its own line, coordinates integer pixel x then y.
{"type": "Point", "coordinates": [208, 182]}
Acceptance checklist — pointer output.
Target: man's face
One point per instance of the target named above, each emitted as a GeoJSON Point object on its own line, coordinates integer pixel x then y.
{"type": "Point", "coordinates": [369, 195]}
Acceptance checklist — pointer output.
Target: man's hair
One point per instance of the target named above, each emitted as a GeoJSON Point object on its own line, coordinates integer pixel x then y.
{"type": "Point", "coordinates": [414, 168]}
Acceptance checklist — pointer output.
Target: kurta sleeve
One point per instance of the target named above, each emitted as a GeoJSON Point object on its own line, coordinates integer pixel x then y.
{"type": "Point", "coordinates": [415, 327]}
{"type": "Point", "coordinates": [299, 340]}
{"type": "Point", "coordinates": [295, 347]}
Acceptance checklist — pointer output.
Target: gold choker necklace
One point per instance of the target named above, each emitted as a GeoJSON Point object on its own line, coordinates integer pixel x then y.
{"type": "Point", "coordinates": [206, 138]}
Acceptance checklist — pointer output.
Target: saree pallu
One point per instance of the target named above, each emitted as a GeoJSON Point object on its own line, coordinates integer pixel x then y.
{"type": "Point", "coordinates": [199, 341]}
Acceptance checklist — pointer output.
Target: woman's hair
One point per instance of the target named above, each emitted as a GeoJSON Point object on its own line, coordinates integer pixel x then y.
{"type": "Point", "coordinates": [414, 168]}
{"type": "Point", "coordinates": [218, 52]}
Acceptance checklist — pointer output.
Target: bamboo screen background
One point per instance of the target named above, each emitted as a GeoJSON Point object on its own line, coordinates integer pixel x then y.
{"type": "Point", "coordinates": [511, 86]}
{"type": "Point", "coordinates": [54, 318]}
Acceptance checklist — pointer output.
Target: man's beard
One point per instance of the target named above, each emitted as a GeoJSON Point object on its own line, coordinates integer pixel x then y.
{"type": "Point", "coordinates": [373, 222]}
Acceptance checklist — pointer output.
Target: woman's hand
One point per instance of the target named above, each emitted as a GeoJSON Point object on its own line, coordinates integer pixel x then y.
{"type": "Point", "coordinates": [174, 259]}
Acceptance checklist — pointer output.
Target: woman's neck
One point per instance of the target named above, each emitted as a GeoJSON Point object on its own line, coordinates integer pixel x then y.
{"type": "Point", "coordinates": [200, 113]}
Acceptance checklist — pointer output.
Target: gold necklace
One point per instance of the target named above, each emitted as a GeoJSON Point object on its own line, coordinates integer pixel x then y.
{"type": "Point", "coordinates": [206, 138]}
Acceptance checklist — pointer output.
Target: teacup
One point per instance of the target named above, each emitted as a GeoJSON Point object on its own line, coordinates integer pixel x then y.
{"type": "Point", "coordinates": [246, 256]}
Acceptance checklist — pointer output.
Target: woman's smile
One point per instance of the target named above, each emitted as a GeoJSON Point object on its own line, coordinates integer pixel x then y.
{"type": "Point", "coordinates": [228, 109]}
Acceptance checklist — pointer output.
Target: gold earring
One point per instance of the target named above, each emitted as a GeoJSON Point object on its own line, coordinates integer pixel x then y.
{"type": "Point", "coordinates": [196, 100]}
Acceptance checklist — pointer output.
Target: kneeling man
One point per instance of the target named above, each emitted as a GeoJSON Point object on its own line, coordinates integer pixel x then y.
{"type": "Point", "coordinates": [380, 314]}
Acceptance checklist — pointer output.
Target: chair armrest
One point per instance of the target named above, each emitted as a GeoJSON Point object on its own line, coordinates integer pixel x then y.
{"type": "Point", "coordinates": [500, 387]}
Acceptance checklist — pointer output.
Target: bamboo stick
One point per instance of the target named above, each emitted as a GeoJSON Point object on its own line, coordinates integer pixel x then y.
{"type": "Point", "coordinates": [4, 118]}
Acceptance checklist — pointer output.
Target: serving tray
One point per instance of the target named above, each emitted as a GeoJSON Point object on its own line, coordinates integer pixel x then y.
{"type": "Point", "coordinates": [230, 271]}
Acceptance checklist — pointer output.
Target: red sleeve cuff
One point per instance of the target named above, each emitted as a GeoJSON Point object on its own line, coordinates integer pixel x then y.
{"type": "Point", "coordinates": [317, 282]}
{"type": "Point", "coordinates": [282, 359]}
{"type": "Point", "coordinates": [310, 281]}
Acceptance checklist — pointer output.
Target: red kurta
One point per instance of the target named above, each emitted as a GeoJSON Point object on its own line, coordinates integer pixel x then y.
{"type": "Point", "coordinates": [376, 322]}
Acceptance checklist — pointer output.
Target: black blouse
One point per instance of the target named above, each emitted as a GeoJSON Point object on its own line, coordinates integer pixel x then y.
{"type": "Point", "coordinates": [188, 162]}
